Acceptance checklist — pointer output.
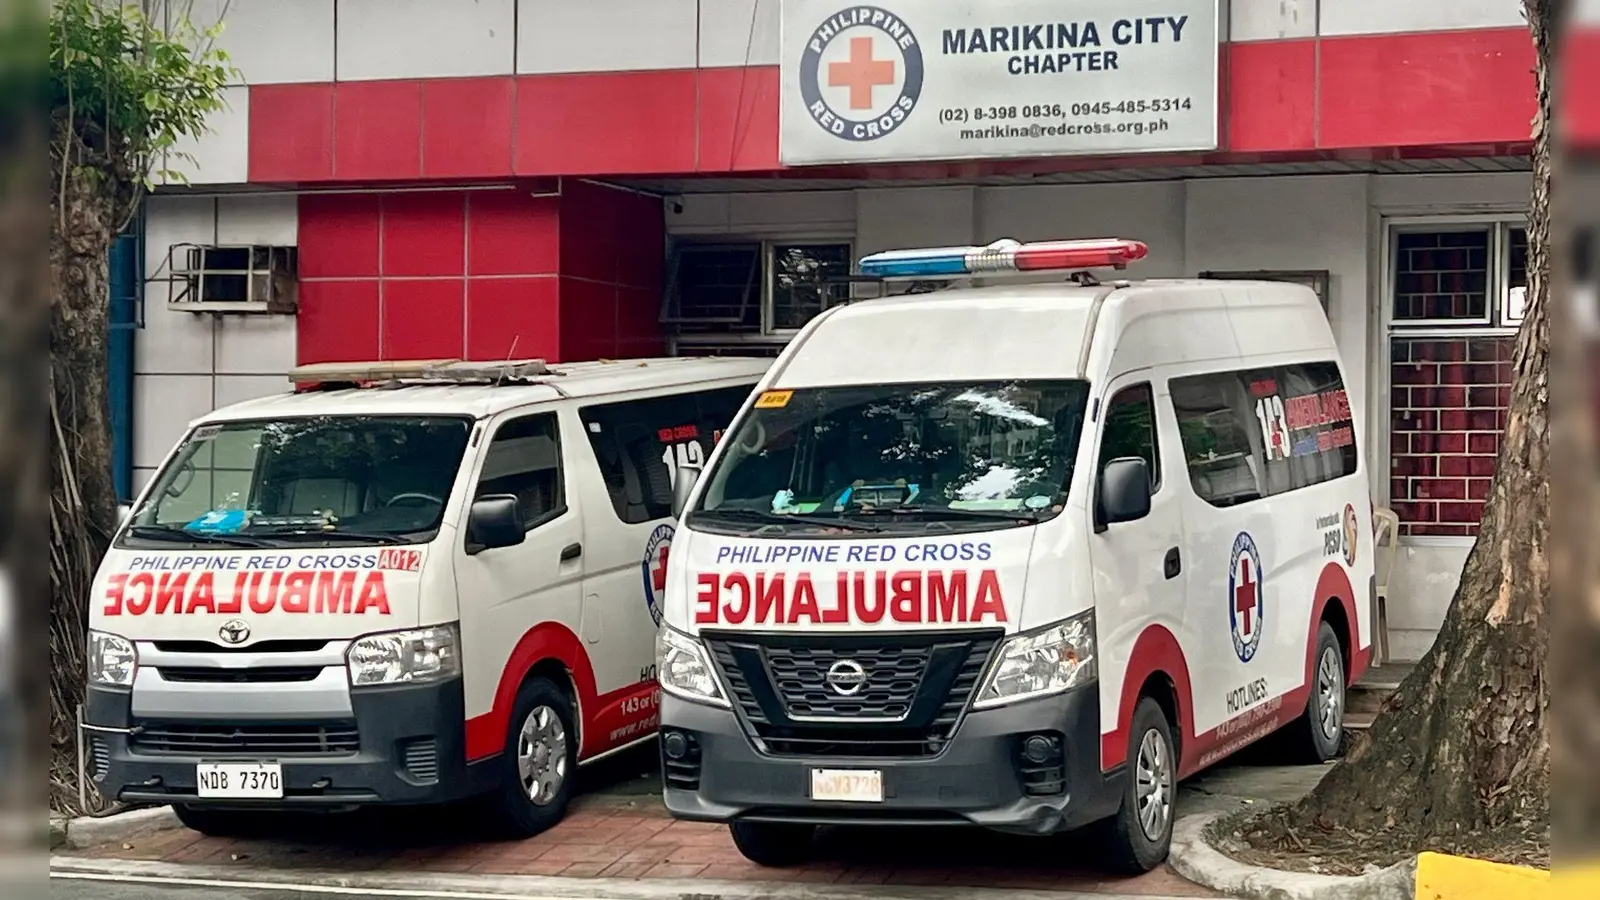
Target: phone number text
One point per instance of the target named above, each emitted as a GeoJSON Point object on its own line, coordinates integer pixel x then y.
{"type": "Point", "coordinates": [1063, 110]}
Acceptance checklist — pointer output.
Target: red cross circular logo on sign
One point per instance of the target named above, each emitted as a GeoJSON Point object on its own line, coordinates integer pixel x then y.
{"type": "Point", "coordinates": [1246, 601]}
{"type": "Point", "coordinates": [655, 569]}
{"type": "Point", "coordinates": [861, 73]}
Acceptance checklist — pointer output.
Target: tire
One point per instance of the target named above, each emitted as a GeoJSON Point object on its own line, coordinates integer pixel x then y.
{"type": "Point", "coordinates": [773, 844]}
{"type": "Point", "coordinates": [224, 822]}
{"type": "Point", "coordinates": [539, 764]}
{"type": "Point", "coordinates": [1131, 848]}
{"type": "Point", "coordinates": [1315, 736]}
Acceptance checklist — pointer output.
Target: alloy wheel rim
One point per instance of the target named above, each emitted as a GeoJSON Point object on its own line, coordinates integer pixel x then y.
{"type": "Point", "coordinates": [542, 755]}
{"type": "Point", "coordinates": [1330, 693]}
{"type": "Point", "coordinates": [1153, 784]}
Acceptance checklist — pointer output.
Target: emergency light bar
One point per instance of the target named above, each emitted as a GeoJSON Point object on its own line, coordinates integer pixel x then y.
{"type": "Point", "coordinates": [446, 371]}
{"type": "Point", "coordinates": [1004, 256]}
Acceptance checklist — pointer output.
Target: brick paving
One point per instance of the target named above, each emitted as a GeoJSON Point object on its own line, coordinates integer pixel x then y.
{"type": "Point", "coordinates": [630, 839]}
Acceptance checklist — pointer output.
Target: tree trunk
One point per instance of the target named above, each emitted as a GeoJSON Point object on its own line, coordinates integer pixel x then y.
{"type": "Point", "coordinates": [1463, 747]}
{"type": "Point", "coordinates": [87, 206]}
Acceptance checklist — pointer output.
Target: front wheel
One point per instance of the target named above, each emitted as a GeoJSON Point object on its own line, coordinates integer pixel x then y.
{"type": "Point", "coordinates": [773, 844]}
{"type": "Point", "coordinates": [538, 763]}
{"type": "Point", "coordinates": [1139, 836]}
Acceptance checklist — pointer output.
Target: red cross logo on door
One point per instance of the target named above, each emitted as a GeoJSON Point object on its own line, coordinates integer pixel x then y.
{"type": "Point", "coordinates": [1244, 598]}
{"type": "Point", "coordinates": [658, 567]}
{"type": "Point", "coordinates": [861, 73]}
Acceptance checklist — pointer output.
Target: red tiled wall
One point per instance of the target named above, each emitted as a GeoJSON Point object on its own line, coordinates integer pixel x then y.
{"type": "Point", "coordinates": [479, 275]}
{"type": "Point", "coordinates": [1449, 408]}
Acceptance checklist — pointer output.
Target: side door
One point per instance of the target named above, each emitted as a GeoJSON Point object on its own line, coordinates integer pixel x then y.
{"type": "Point", "coordinates": [638, 445]}
{"type": "Point", "coordinates": [1137, 565]}
{"type": "Point", "coordinates": [507, 592]}
{"type": "Point", "coordinates": [1250, 637]}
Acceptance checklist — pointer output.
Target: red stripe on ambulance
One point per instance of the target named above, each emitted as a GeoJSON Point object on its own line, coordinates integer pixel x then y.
{"type": "Point", "coordinates": [190, 593]}
{"type": "Point", "coordinates": [907, 597]}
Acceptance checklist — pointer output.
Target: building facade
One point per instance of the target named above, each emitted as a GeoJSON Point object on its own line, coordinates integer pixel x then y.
{"type": "Point", "coordinates": [613, 178]}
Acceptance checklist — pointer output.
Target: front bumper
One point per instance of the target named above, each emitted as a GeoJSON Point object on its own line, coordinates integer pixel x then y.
{"type": "Point", "coordinates": [405, 745]}
{"type": "Point", "coordinates": [977, 778]}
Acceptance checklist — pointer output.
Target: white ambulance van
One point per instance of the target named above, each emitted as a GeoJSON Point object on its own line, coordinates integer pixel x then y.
{"type": "Point", "coordinates": [403, 583]}
{"type": "Point", "coordinates": [1018, 556]}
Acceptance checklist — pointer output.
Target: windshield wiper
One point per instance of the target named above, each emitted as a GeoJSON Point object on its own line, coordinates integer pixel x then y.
{"type": "Point", "coordinates": [168, 533]}
{"type": "Point", "coordinates": [756, 515]}
{"type": "Point", "coordinates": [953, 513]}
{"type": "Point", "coordinates": [307, 534]}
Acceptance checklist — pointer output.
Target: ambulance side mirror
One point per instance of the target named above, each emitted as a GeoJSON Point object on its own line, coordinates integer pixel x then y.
{"type": "Point", "coordinates": [683, 487]}
{"type": "Point", "coordinates": [1124, 491]}
{"type": "Point", "coordinates": [494, 522]}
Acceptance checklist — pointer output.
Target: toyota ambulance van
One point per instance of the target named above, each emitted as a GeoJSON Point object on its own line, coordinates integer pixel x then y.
{"type": "Point", "coordinates": [404, 583]}
{"type": "Point", "coordinates": [1020, 556]}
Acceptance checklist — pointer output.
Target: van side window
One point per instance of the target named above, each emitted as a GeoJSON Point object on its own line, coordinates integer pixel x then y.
{"type": "Point", "coordinates": [1130, 430]}
{"type": "Point", "coordinates": [1259, 432]}
{"type": "Point", "coordinates": [524, 460]}
{"type": "Point", "coordinates": [640, 444]}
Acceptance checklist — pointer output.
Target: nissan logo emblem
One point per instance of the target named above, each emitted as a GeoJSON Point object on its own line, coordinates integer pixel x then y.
{"type": "Point", "coordinates": [847, 677]}
{"type": "Point", "coordinates": [234, 631]}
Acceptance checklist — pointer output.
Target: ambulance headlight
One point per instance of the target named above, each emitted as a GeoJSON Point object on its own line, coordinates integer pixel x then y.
{"type": "Point", "coordinates": [1041, 663]}
{"type": "Point", "coordinates": [112, 660]}
{"type": "Point", "coordinates": [684, 668]}
{"type": "Point", "coordinates": [415, 656]}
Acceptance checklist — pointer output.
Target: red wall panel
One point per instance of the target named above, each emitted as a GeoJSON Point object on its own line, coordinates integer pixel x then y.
{"type": "Point", "coordinates": [1269, 96]}
{"type": "Point", "coordinates": [425, 234]}
{"type": "Point", "coordinates": [466, 127]}
{"type": "Point", "coordinates": [424, 319]}
{"type": "Point", "coordinates": [337, 322]}
{"type": "Point", "coordinates": [609, 123]}
{"type": "Point", "coordinates": [377, 131]}
{"type": "Point", "coordinates": [291, 132]}
{"type": "Point", "coordinates": [738, 119]}
{"type": "Point", "coordinates": [512, 233]}
{"type": "Point", "coordinates": [514, 318]}
{"type": "Point", "coordinates": [339, 235]}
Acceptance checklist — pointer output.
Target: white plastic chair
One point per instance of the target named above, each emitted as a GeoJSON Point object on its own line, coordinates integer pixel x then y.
{"type": "Point", "coordinates": [1385, 525]}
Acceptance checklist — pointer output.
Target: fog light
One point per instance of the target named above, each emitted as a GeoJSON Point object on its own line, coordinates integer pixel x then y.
{"type": "Point", "coordinates": [1037, 749]}
{"type": "Point", "coordinates": [675, 745]}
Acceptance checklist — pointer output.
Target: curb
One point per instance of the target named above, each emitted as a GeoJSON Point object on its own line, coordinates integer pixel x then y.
{"type": "Point", "coordinates": [87, 830]}
{"type": "Point", "coordinates": [1444, 877]}
{"type": "Point", "coordinates": [519, 887]}
{"type": "Point", "coordinates": [1197, 861]}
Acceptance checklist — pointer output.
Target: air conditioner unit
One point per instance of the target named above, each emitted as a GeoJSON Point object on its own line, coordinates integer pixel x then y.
{"type": "Point", "coordinates": [232, 278]}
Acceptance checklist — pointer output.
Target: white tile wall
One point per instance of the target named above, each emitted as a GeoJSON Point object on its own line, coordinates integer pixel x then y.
{"type": "Point", "coordinates": [377, 39]}
{"type": "Point", "coordinates": [1272, 20]}
{"type": "Point", "coordinates": [607, 35]}
{"type": "Point", "coordinates": [221, 153]}
{"type": "Point", "coordinates": [187, 364]}
{"type": "Point", "coordinates": [896, 218]}
{"type": "Point", "coordinates": [1387, 16]}
{"type": "Point", "coordinates": [1151, 212]}
{"type": "Point", "coordinates": [739, 33]}
{"type": "Point", "coordinates": [272, 41]}
{"type": "Point", "coordinates": [1396, 195]}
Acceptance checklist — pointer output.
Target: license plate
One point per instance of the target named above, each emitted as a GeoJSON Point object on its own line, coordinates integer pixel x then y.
{"type": "Point", "coordinates": [847, 785]}
{"type": "Point", "coordinates": [240, 781]}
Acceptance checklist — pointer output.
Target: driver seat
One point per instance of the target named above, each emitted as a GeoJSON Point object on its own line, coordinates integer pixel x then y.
{"type": "Point", "coordinates": [307, 496]}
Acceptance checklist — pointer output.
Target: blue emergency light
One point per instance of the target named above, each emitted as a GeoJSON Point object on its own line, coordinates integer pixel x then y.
{"type": "Point", "coordinates": [1004, 256]}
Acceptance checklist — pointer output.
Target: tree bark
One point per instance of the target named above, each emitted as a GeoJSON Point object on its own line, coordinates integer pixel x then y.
{"type": "Point", "coordinates": [1463, 747]}
{"type": "Point", "coordinates": [88, 203]}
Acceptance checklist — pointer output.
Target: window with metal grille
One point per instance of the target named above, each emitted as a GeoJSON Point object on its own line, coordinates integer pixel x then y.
{"type": "Point", "coordinates": [752, 291]}
{"type": "Point", "coordinates": [1456, 299]}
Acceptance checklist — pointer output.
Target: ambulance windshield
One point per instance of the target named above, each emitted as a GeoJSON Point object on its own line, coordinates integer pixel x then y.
{"type": "Point", "coordinates": [898, 457]}
{"type": "Point", "coordinates": [333, 480]}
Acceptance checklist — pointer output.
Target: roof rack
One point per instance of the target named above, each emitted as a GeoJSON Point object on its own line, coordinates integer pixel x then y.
{"type": "Point", "coordinates": [328, 376]}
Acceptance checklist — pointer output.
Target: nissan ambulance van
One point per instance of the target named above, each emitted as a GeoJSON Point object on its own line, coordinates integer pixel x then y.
{"type": "Point", "coordinates": [1020, 556]}
{"type": "Point", "coordinates": [404, 583]}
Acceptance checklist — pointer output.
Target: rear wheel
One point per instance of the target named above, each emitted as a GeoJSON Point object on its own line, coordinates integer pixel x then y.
{"type": "Point", "coordinates": [773, 844]}
{"type": "Point", "coordinates": [540, 758]}
{"type": "Point", "coordinates": [1139, 836]}
{"type": "Point", "coordinates": [1316, 735]}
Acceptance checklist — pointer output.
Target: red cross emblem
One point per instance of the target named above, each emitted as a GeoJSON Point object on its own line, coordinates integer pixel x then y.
{"type": "Point", "coordinates": [658, 569]}
{"type": "Point", "coordinates": [861, 73]}
{"type": "Point", "coordinates": [1244, 597]}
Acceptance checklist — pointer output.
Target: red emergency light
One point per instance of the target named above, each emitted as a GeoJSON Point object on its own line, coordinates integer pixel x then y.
{"type": "Point", "coordinates": [1005, 256]}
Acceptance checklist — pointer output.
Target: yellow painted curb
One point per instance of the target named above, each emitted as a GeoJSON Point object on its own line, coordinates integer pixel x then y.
{"type": "Point", "coordinates": [1441, 877]}
{"type": "Point", "coordinates": [1575, 884]}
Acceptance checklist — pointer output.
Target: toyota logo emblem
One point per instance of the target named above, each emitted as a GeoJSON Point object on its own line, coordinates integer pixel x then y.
{"type": "Point", "coordinates": [847, 677]}
{"type": "Point", "coordinates": [234, 631]}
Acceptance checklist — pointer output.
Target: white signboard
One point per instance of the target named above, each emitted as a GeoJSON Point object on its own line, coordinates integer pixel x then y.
{"type": "Point", "coordinates": [941, 79]}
